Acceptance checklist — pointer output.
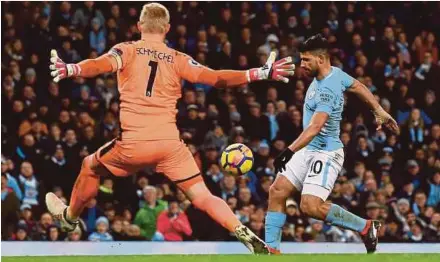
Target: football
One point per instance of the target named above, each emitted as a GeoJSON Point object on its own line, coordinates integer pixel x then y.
{"type": "Point", "coordinates": [237, 159]}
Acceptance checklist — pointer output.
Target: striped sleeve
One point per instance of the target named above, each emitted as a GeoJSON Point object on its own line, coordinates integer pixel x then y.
{"type": "Point", "coordinates": [121, 54]}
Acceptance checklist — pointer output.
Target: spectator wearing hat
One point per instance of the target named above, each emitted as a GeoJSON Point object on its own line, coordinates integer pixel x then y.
{"type": "Point", "coordinates": [173, 223]}
{"type": "Point", "coordinates": [193, 128]}
{"type": "Point", "coordinates": [101, 233]}
{"type": "Point", "coordinates": [293, 214]}
{"type": "Point", "coordinates": [316, 230]}
{"type": "Point", "coordinates": [97, 38]}
{"type": "Point", "coordinates": [26, 218]}
{"type": "Point", "coordinates": [271, 45]}
{"type": "Point", "coordinates": [413, 173]}
{"type": "Point", "coordinates": [373, 209]}
{"type": "Point", "coordinates": [146, 217]}
{"type": "Point", "coordinates": [21, 234]}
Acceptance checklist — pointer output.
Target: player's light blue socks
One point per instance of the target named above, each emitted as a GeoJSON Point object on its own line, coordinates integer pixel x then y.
{"type": "Point", "coordinates": [274, 224]}
{"type": "Point", "coordinates": [341, 217]}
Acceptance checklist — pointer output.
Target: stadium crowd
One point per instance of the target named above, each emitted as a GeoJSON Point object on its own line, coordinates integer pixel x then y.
{"type": "Point", "coordinates": [47, 128]}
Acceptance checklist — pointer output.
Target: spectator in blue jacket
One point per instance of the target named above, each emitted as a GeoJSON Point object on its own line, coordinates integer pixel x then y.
{"type": "Point", "coordinates": [101, 234]}
{"type": "Point", "coordinates": [97, 38]}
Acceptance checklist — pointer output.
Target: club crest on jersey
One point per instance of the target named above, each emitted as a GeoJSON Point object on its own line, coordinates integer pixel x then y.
{"type": "Point", "coordinates": [311, 94]}
{"type": "Point", "coordinates": [192, 62]}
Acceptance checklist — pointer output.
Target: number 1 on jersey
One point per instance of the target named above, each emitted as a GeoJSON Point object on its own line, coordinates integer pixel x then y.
{"type": "Point", "coordinates": [153, 65]}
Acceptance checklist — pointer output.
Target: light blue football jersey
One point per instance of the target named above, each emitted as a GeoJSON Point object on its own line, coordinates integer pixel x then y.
{"type": "Point", "coordinates": [326, 95]}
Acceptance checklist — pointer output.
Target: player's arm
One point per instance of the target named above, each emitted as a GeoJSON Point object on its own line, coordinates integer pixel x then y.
{"type": "Point", "coordinates": [316, 124]}
{"type": "Point", "coordinates": [115, 59]}
{"type": "Point", "coordinates": [382, 117]}
{"type": "Point", "coordinates": [325, 100]}
{"type": "Point", "coordinates": [276, 70]}
{"type": "Point", "coordinates": [86, 68]}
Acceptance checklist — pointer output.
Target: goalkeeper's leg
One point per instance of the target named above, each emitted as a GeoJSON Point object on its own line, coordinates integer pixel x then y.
{"type": "Point", "coordinates": [85, 189]}
{"type": "Point", "coordinates": [219, 210]}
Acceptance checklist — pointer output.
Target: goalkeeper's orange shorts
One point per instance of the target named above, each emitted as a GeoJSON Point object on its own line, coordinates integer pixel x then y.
{"type": "Point", "coordinates": [170, 157]}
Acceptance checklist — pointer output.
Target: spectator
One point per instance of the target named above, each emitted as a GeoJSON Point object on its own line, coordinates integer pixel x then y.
{"type": "Point", "coordinates": [116, 230]}
{"type": "Point", "coordinates": [46, 221]}
{"type": "Point", "coordinates": [105, 193]}
{"type": "Point", "coordinates": [21, 234]}
{"type": "Point", "coordinates": [26, 218]}
{"type": "Point", "coordinates": [53, 233]}
{"type": "Point", "coordinates": [173, 224]}
{"type": "Point", "coordinates": [396, 60]}
{"type": "Point", "coordinates": [434, 190]}
{"type": "Point", "coordinates": [10, 208]}
{"type": "Point", "coordinates": [29, 183]}
{"type": "Point", "coordinates": [146, 217]}
{"type": "Point", "coordinates": [134, 234]}
{"type": "Point", "coordinates": [91, 214]}
{"type": "Point", "coordinates": [101, 233]}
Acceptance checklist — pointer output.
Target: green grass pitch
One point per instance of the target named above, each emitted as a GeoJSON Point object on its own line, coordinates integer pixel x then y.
{"type": "Point", "coordinates": [236, 258]}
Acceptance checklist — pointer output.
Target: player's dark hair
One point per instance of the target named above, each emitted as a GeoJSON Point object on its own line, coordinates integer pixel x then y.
{"type": "Point", "coordinates": [314, 43]}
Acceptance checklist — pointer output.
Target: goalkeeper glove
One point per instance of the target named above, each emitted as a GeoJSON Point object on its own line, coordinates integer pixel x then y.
{"type": "Point", "coordinates": [275, 70]}
{"type": "Point", "coordinates": [59, 69]}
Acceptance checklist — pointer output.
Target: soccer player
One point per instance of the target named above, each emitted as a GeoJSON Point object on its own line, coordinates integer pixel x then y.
{"type": "Point", "coordinates": [311, 164]}
{"type": "Point", "coordinates": [149, 83]}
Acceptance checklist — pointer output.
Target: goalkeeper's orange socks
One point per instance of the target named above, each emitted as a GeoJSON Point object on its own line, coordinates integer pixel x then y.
{"type": "Point", "coordinates": [84, 190]}
{"type": "Point", "coordinates": [218, 210]}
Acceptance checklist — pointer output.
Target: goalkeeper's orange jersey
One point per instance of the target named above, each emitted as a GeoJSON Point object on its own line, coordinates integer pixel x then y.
{"type": "Point", "coordinates": [149, 82]}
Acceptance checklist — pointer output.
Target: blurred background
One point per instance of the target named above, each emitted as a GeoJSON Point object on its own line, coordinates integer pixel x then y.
{"type": "Point", "coordinates": [48, 128]}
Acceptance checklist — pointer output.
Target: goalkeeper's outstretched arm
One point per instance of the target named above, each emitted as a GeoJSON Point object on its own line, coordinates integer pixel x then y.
{"type": "Point", "coordinates": [273, 70]}
{"type": "Point", "coordinates": [87, 68]}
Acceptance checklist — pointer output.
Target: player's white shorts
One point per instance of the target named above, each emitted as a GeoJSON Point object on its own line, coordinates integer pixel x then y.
{"type": "Point", "coordinates": [314, 172]}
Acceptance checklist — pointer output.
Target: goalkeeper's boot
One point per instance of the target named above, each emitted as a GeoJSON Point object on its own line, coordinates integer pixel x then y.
{"type": "Point", "coordinates": [370, 238]}
{"type": "Point", "coordinates": [250, 240]}
{"type": "Point", "coordinates": [59, 211]}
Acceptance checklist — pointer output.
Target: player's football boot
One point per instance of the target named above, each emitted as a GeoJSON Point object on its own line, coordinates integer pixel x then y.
{"type": "Point", "coordinates": [59, 211]}
{"type": "Point", "coordinates": [274, 251]}
{"type": "Point", "coordinates": [250, 240]}
{"type": "Point", "coordinates": [370, 239]}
